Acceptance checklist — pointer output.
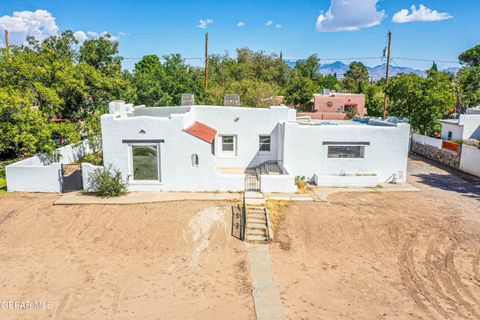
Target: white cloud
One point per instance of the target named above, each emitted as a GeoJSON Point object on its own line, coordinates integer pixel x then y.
{"type": "Point", "coordinates": [349, 15]}
{"type": "Point", "coordinates": [240, 24]}
{"type": "Point", "coordinates": [40, 23]}
{"type": "Point", "coordinates": [202, 24]}
{"type": "Point", "coordinates": [421, 14]}
{"type": "Point", "coordinates": [278, 26]}
{"type": "Point", "coordinates": [269, 23]}
{"type": "Point", "coordinates": [80, 36]}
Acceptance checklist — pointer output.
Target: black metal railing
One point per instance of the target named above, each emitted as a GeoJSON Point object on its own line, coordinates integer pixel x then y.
{"type": "Point", "coordinates": [271, 166]}
{"type": "Point", "coordinates": [243, 219]}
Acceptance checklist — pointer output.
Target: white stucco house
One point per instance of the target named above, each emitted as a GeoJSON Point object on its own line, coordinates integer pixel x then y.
{"type": "Point", "coordinates": [219, 148]}
{"type": "Point", "coordinates": [467, 126]}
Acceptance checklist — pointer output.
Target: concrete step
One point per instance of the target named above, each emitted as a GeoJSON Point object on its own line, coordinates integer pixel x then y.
{"type": "Point", "coordinates": [257, 232]}
{"type": "Point", "coordinates": [257, 219]}
{"type": "Point", "coordinates": [253, 195]}
{"type": "Point", "coordinates": [259, 215]}
{"type": "Point", "coordinates": [253, 225]}
{"type": "Point", "coordinates": [253, 238]}
{"type": "Point", "coordinates": [255, 201]}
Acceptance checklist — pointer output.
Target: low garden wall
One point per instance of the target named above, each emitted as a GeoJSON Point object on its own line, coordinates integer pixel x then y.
{"type": "Point", "coordinates": [43, 173]}
{"type": "Point", "coordinates": [348, 180]}
{"type": "Point", "coordinates": [277, 183]}
{"type": "Point", "coordinates": [444, 156]}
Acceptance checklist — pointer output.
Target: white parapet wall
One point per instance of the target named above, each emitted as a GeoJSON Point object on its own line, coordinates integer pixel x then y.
{"type": "Point", "coordinates": [470, 160]}
{"type": "Point", "coordinates": [420, 138]}
{"type": "Point", "coordinates": [277, 183]}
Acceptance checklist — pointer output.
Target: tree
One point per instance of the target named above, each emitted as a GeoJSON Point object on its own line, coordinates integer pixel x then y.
{"type": "Point", "coordinates": [471, 57]}
{"type": "Point", "coordinates": [356, 78]}
{"type": "Point", "coordinates": [253, 93]}
{"type": "Point", "coordinates": [23, 129]}
{"type": "Point", "coordinates": [329, 82]}
{"type": "Point", "coordinates": [422, 100]}
{"type": "Point", "coordinates": [374, 100]}
{"type": "Point", "coordinates": [309, 68]}
{"type": "Point", "coordinates": [300, 90]}
{"type": "Point", "coordinates": [468, 77]}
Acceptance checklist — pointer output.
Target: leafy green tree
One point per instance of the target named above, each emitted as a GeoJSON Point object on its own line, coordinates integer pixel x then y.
{"type": "Point", "coordinates": [468, 77]}
{"type": "Point", "coordinates": [356, 78]}
{"type": "Point", "coordinates": [300, 90]}
{"type": "Point", "coordinates": [374, 100]}
{"type": "Point", "coordinates": [23, 129]}
{"type": "Point", "coordinates": [422, 100]}
{"type": "Point", "coordinates": [330, 82]}
{"type": "Point", "coordinates": [309, 68]}
{"type": "Point", "coordinates": [254, 93]}
{"type": "Point", "coordinates": [471, 57]}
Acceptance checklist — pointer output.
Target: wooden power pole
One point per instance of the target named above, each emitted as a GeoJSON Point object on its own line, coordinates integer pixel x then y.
{"type": "Point", "coordinates": [7, 45]}
{"type": "Point", "coordinates": [206, 61]}
{"type": "Point", "coordinates": [385, 99]}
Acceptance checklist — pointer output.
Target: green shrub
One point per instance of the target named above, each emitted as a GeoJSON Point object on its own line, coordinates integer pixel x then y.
{"type": "Point", "coordinates": [301, 183]}
{"type": "Point", "coordinates": [95, 158]}
{"type": "Point", "coordinates": [107, 182]}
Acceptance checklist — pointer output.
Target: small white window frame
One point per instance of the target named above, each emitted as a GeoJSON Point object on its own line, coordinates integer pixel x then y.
{"type": "Point", "coordinates": [228, 153]}
{"type": "Point", "coordinates": [270, 144]}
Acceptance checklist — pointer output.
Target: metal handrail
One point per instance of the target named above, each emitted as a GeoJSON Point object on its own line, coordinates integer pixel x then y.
{"type": "Point", "coordinates": [243, 219]}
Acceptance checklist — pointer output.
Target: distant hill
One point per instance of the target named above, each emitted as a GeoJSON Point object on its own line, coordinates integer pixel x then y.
{"type": "Point", "coordinates": [376, 72]}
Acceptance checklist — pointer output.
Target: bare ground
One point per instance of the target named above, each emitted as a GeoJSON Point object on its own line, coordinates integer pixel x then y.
{"type": "Point", "coordinates": [384, 255]}
{"type": "Point", "coordinates": [158, 261]}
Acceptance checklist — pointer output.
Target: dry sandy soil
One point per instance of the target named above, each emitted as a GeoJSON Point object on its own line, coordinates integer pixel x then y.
{"type": "Point", "coordinates": [384, 255]}
{"type": "Point", "coordinates": [155, 261]}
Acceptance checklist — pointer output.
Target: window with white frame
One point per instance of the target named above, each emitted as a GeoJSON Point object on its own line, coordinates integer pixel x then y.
{"type": "Point", "coordinates": [229, 145]}
{"type": "Point", "coordinates": [356, 152]}
{"type": "Point", "coordinates": [145, 163]}
{"type": "Point", "coordinates": [264, 144]}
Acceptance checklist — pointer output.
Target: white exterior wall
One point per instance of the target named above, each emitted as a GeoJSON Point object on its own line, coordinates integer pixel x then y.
{"type": "Point", "coordinates": [345, 181]}
{"type": "Point", "coordinates": [471, 125]}
{"type": "Point", "coordinates": [468, 127]}
{"type": "Point", "coordinates": [457, 131]}
{"type": "Point", "coordinates": [87, 168]}
{"type": "Point", "coordinates": [386, 155]}
{"type": "Point", "coordinates": [176, 170]}
{"type": "Point", "coordinates": [470, 160]}
{"type": "Point", "coordinates": [247, 124]}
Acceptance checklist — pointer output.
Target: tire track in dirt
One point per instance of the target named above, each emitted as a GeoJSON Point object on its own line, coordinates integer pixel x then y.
{"type": "Point", "coordinates": [413, 281]}
{"type": "Point", "coordinates": [441, 289]}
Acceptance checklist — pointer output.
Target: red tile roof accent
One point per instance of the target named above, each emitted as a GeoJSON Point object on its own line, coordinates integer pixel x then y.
{"type": "Point", "coordinates": [202, 131]}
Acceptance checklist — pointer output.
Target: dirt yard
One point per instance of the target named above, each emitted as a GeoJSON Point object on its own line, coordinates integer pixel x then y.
{"type": "Point", "coordinates": [384, 255]}
{"type": "Point", "coordinates": [156, 261]}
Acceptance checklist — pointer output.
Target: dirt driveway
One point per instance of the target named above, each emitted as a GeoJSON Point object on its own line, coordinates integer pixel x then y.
{"type": "Point", "coordinates": [384, 255]}
{"type": "Point", "coordinates": [157, 261]}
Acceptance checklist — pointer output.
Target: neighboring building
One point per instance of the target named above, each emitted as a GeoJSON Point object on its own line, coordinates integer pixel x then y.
{"type": "Point", "coordinates": [218, 148]}
{"type": "Point", "coordinates": [336, 106]}
{"type": "Point", "coordinates": [467, 126]}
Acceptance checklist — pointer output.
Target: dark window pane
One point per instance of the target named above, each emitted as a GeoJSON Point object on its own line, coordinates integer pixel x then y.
{"type": "Point", "coordinates": [346, 151]}
{"type": "Point", "coordinates": [228, 143]}
{"type": "Point", "coordinates": [145, 162]}
{"type": "Point", "coordinates": [265, 143]}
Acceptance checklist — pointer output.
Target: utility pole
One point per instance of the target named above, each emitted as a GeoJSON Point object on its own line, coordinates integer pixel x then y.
{"type": "Point", "coordinates": [206, 61]}
{"type": "Point", "coordinates": [7, 45]}
{"type": "Point", "coordinates": [385, 99]}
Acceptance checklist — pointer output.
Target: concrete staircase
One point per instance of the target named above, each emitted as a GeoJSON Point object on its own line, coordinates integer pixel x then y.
{"type": "Point", "coordinates": [258, 226]}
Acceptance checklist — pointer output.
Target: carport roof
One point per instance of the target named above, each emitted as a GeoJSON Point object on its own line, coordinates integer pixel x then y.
{"type": "Point", "coordinates": [202, 131]}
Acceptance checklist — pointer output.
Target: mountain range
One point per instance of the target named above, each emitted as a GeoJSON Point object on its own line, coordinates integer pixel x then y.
{"type": "Point", "coordinates": [376, 73]}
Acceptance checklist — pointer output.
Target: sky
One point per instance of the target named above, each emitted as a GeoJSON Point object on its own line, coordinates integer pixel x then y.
{"type": "Point", "coordinates": [423, 30]}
